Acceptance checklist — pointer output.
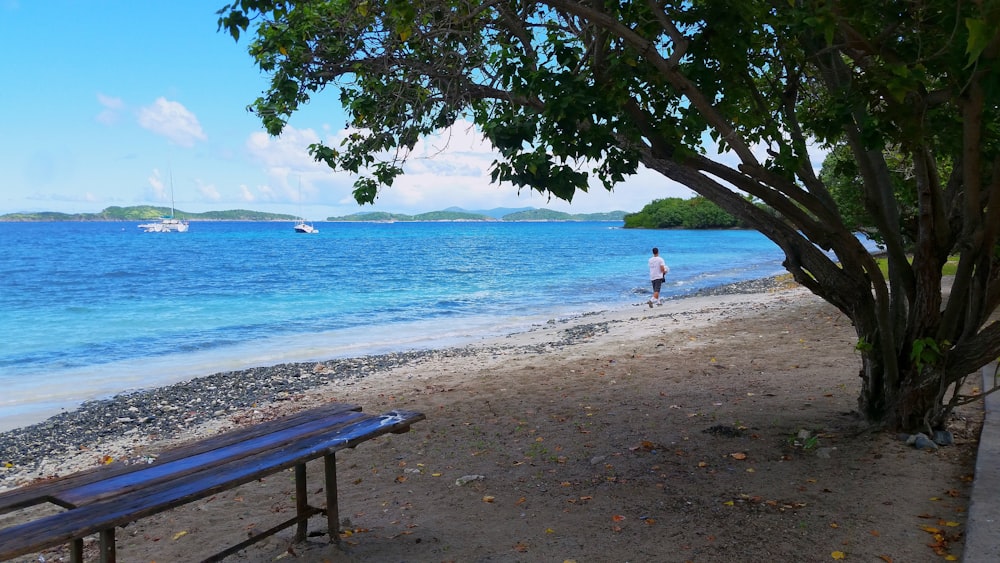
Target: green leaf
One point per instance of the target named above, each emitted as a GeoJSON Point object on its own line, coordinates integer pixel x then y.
{"type": "Point", "coordinates": [979, 37]}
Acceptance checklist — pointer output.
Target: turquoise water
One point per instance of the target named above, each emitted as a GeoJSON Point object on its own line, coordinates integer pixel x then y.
{"type": "Point", "coordinates": [91, 309]}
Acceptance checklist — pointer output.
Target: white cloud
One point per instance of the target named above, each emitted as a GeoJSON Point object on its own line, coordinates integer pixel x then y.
{"type": "Point", "coordinates": [453, 169]}
{"type": "Point", "coordinates": [112, 109]}
{"type": "Point", "coordinates": [173, 121]}
{"type": "Point", "coordinates": [246, 194]}
{"type": "Point", "coordinates": [445, 170]}
{"type": "Point", "coordinates": [292, 172]}
{"type": "Point", "coordinates": [157, 191]}
{"type": "Point", "coordinates": [209, 192]}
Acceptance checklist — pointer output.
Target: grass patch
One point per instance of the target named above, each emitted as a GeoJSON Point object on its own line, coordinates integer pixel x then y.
{"type": "Point", "coordinates": [949, 268]}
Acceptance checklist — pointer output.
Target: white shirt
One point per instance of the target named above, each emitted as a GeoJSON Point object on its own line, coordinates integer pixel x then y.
{"type": "Point", "coordinates": [657, 268]}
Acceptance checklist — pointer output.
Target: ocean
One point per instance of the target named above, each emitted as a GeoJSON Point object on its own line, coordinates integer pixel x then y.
{"type": "Point", "coordinates": [92, 309]}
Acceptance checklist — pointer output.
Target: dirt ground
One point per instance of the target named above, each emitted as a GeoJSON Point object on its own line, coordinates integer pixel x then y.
{"type": "Point", "coordinates": [707, 430]}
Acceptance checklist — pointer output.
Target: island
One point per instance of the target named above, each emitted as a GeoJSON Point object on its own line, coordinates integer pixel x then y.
{"type": "Point", "coordinates": [149, 212]}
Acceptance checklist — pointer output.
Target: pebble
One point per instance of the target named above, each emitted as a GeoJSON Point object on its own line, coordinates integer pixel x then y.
{"type": "Point", "coordinates": [163, 413]}
{"type": "Point", "coordinates": [466, 479]}
{"type": "Point", "coordinates": [166, 411]}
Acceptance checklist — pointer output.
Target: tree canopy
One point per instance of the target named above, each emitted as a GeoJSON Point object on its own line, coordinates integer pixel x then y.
{"type": "Point", "coordinates": [681, 213]}
{"type": "Point", "coordinates": [723, 96]}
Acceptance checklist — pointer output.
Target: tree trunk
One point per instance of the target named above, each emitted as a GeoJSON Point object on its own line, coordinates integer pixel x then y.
{"type": "Point", "coordinates": [915, 405]}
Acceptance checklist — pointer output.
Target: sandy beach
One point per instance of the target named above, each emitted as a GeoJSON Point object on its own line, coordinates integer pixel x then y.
{"type": "Point", "coordinates": [713, 428]}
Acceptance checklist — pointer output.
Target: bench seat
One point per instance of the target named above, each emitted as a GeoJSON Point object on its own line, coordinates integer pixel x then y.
{"type": "Point", "coordinates": [101, 499]}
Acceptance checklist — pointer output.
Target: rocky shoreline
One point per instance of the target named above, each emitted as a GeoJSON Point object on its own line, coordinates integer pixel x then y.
{"type": "Point", "coordinates": [164, 413]}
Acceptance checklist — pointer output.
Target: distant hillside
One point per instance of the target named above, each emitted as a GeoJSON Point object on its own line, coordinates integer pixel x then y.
{"type": "Point", "coordinates": [458, 214]}
{"type": "Point", "coordinates": [381, 216]}
{"type": "Point", "coordinates": [549, 215]}
{"type": "Point", "coordinates": [242, 215]}
{"type": "Point", "coordinates": [372, 216]}
{"type": "Point", "coordinates": [452, 216]}
{"type": "Point", "coordinates": [496, 212]}
{"type": "Point", "coordinates": [150, 212]}
{"type": "Point", "coordinates": [146, 213]}
{"type": "Point", "coordinates": [538, 215]}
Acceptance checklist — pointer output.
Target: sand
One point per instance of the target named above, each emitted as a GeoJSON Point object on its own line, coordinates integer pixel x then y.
{"type": "Point", "coordinates": [711, 429]}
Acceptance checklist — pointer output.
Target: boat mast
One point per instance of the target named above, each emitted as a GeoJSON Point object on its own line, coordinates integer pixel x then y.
{"type": "Point", "coordinates": [170, 173]}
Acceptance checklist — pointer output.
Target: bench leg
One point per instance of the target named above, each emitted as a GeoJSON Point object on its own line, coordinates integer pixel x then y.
{"type": "Point", "coordinates": [301, 506]}
{"type": "Point", "coordinates": [76, 551]}
{"type": "Point", "coordinates": [332, 509]}
{"type": "Point", "coordinates": [108, 554]}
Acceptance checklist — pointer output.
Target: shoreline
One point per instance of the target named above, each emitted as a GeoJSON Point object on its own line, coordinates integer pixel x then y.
{"type": "Point", "coordinates": [165, 413]}
{"type": "Point", "coordinates": [631, 433]}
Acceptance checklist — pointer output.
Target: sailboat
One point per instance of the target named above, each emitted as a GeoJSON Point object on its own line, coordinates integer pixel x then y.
{"type": "Point", "coordinates": [167, 224]}
{"type": "Point", "coordinates": [302, 226]}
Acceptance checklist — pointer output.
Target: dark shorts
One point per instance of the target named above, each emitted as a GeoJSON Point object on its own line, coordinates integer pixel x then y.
{"type": "Point", "coordinates": [657, 284]}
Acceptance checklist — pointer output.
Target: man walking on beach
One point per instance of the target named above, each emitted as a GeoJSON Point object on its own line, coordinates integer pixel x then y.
{"type": "Point", "coordinates": [657, 275]}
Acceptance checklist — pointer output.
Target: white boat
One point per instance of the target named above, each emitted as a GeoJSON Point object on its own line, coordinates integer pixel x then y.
{"type": "Point", "coordinates": [167, 224]}
{"type": "Point", "coordinates": [303, 227]}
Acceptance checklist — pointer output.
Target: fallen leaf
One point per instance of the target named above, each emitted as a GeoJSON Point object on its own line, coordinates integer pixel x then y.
{"type": "Point", "coordinates": [179, 535]}
{"type": "Point", "coordinates": [838, 555]}
{"type": "Point", "coordinates": [738, 455]}
{"type": "Point", "coordinates": [885, 558]}
{"type": "Point", "coordinates": [617, 518]}
{"type": "Point", "coordinates": [489, 498]}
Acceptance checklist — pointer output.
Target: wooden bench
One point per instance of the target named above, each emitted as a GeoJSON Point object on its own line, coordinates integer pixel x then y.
{"type": "Point", "coordinates": [100, 499]}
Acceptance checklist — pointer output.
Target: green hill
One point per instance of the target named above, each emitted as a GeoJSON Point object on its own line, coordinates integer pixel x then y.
{"type": "Point", "coordinates": [538, 215]}
{"type": "Point", "coordinates": [373, 216]}
{"type": "Point", "coordinates": [151, 212]}
{"type": "Point", "coordinates": [146, 213]}
{"type": "Point", "coordinates": [549, 215]}
{"type": "Point", "coordinates": [451, 216]}
{"type": "Point", "coordinates": [382, 216]}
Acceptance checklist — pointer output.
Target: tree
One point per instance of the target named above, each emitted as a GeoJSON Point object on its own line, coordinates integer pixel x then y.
{"type": "Point", "coordinates": [678, 213]}
{"type": "Point", "coordinates": [570, 92]}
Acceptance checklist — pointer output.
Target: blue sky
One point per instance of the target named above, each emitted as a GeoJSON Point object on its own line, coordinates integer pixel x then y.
{"type": "Point", "coordinates": [110, 102]}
